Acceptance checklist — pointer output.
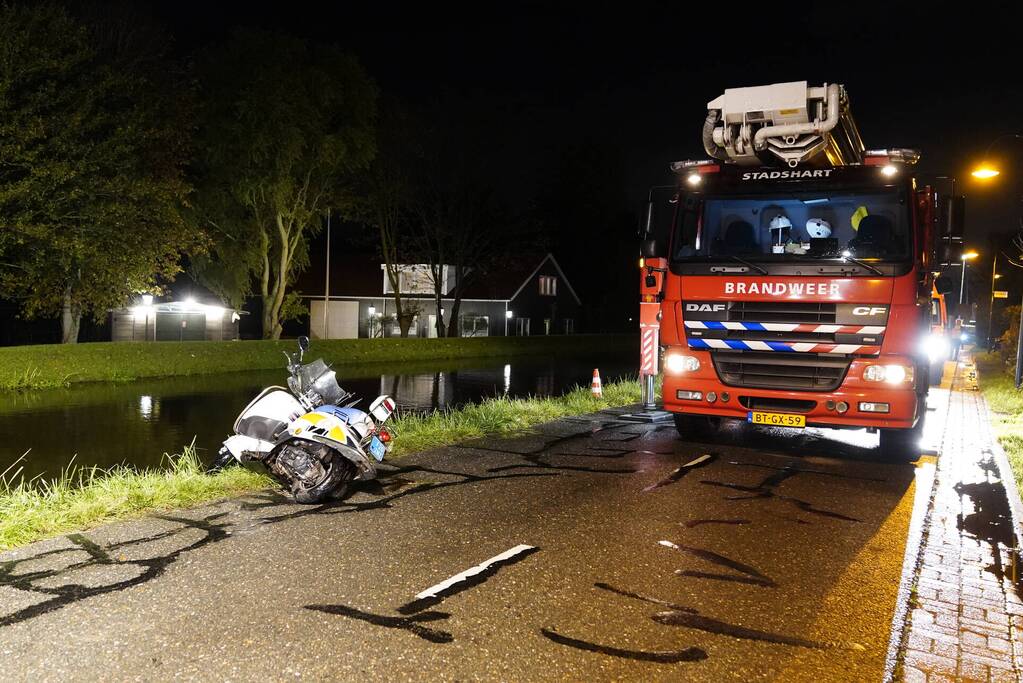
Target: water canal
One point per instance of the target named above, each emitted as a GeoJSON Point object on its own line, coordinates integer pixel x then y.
{"type": "Point", "coordinates": [108, 424]}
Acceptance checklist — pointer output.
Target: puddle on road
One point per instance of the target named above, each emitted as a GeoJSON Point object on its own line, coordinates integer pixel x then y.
{"type": "Point", "coordinates": [991, 521]}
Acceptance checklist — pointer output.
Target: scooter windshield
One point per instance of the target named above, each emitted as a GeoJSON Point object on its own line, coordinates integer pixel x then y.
{"type": "Point", "coordinates": [318, 377]}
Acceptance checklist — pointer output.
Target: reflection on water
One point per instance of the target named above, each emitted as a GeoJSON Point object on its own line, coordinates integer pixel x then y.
{"type": "Point", "coordinates": [108, 424]}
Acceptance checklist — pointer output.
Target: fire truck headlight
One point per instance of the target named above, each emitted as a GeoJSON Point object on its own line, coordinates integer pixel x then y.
{"type": "Point", "coordinates": [892, 374]}
{"type": "Point", "coordinates": [936, 346]}
{"type": "Point", "coordinates": [676, 363]}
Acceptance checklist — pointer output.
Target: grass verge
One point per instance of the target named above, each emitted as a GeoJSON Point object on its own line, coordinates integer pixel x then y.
{"type": "Point", "coordinates": [54, 365]}
{"type": "Point", "coordinates": [79, 499]}
{"type": "Point", "coordinates": [1006, 402]}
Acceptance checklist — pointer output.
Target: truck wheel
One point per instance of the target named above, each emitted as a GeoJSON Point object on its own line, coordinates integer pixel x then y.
{"type": "Point", "coordinates": [901, 445]}
{"type": "Point", "coordinates": [937, 372]}
{"type": "Point", "coordinates": [696, 425]}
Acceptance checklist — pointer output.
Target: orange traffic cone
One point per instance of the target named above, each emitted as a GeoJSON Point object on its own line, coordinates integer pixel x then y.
{"type": "Point", "coordinates": [595, 388]}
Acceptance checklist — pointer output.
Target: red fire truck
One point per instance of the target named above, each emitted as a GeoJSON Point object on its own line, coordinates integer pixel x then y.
{"type": "Point", "coordinates": [793, 271]}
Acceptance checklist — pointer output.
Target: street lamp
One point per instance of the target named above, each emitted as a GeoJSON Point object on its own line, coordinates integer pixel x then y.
{"type": "Point", "coordinates": [507, 316]}
{"type": "Point", "coordinates": [962, 280]}
{"type": "Point", "coordinates": [985, 170]}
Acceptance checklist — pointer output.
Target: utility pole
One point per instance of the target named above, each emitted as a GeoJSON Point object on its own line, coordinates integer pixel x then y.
{"type": "Point", "coordinates": [326, 291]}
{"type": "Point", "coordinates": [991, 304]}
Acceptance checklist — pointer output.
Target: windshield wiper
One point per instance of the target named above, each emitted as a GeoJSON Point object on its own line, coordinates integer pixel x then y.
{"type": "Point", "coordinates": [846, 256]}
{"type": "Point", "coordinates": [759, 269]}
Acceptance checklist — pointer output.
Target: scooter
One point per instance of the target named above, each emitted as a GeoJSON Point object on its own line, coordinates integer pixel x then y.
{"type": "Point", "coordinates": [309, 436]}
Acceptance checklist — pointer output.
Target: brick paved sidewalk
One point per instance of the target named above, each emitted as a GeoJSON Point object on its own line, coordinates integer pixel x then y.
{"type": "Point", "coordinates": [967, 618]}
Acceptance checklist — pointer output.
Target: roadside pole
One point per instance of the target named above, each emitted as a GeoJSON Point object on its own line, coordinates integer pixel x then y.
{"type": "Point", "coordinates": [1019, 348]}
{"type": "Point", "coordinates": [326, 290]}
{"type": "Point", "coordinates": [652, 271]}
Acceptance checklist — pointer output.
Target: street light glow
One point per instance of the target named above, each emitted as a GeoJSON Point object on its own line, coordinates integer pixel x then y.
{"type": "Point", "coordinates": [984, 172]}
{"type": "Point", "coordinates": [969, 255]}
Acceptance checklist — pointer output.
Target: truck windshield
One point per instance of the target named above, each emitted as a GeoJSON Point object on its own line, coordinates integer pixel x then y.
{"type": "Point", "coordinates": [794, 226]}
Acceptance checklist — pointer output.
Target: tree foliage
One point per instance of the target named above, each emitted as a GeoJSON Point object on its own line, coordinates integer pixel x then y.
{"type": "Point", "coordinates": [386, 203]}
{"type": "Point", "coordinates": [92, 151]}
{"type": "Point", "coordinates": [460, 220]}
{"type": "Point", "coordinates": [285, 126]}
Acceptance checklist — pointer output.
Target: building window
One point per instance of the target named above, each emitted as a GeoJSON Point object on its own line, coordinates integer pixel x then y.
{"type": "Point", "coordinates": [474, 325]}
{"type": "Point", "coordinates": [548, 285]}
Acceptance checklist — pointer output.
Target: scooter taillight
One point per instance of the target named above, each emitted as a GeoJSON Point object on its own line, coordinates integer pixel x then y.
{"type": "Point", "coordinates": [383, 435]}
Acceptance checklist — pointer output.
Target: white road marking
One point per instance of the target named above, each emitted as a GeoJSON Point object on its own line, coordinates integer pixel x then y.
{"type": "Point", "coordinates": [702, 458]}
{"type": "Point", "coordinates": [669, 544]}
{"type": "Point", "coordinates": [432, 591]}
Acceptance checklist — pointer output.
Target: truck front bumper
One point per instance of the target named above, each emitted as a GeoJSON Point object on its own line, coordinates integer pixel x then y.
{"type": "Point", "coordinates": [703, 393]}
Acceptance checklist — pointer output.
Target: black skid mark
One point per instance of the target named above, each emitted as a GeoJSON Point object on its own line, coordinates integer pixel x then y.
{"type": "Point", "coordinates": [636, 596]}
{"type": "Point", "coordinates": [541, 465]}
{"type": "Point", "coordinates": [766, 489]}
{"type": "Point", "coordinates": [702, 623]}
{"type": "Point", "coordinates": [67, 594]}
{"type": "Point", "coordinates": [689, 654]}
{"type": "Point", "coordinates": [412, 614]}
{"type": "Point", "coordinates": [691, 618]}
{"type": "Point", "coordinates": [747, 574]}
{"type": "Point", "coordinates": [384, 502]}
{"type": "Point", "coordinates": [412, 624]}
{"type": "Point", "coordinates": [600, 453]}
{"type": "Point", "coordinates": [465, 584]}
{"type": "Point", "coordinates": [805, 470]}
{"type": "Point", "coordinates": [682, 471]}
{"type": "Point", "coordinates": [693, 523]}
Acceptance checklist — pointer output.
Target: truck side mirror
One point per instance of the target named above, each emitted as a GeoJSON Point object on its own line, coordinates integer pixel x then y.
{"type": "Point", "coordinates": [648, 248]}
{"type": "Point", "coordinates": [956, 212]}
{"type": "Point", "coordinates": [650, 280]}
{"type": "Point", "coordinates": [648, 222]}
{"type": "Point", "coordinates": [944, 284]}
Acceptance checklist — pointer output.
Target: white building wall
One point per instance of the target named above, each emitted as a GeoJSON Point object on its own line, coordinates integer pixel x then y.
{"type": "Point", "coordinates": [342, 320]}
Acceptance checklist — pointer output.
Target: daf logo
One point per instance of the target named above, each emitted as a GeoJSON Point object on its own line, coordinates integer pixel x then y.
{"type": "Point", "coordinates": [705, 308]}
{"type": "Point", "coordinates": [869, 310]}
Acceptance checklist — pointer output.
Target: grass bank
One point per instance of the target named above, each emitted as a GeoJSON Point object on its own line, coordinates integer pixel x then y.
{"type": "Point", "coordinates": [1006, 402]}
{"type": "Point", "coordinates": [31, 511]}
{"type": "Point", "coordinates": [54, 365]}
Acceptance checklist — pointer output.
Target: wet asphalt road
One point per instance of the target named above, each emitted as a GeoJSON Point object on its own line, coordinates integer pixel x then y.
{"type": "Point", "coordinates": [777, 556]}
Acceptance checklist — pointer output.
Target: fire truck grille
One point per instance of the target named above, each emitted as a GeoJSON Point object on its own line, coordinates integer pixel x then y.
{"type": "Point", "coordinates": [788, 371]}
{"type": "Point", "coordinates": [781, 312]}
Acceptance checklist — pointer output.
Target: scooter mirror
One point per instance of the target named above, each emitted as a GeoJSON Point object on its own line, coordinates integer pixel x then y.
{"type": "Point", "coordinates": [303, 344]}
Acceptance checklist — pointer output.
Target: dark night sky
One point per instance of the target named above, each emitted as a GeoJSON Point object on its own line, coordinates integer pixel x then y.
{"type": "Point", "coordinates": [637, 76]}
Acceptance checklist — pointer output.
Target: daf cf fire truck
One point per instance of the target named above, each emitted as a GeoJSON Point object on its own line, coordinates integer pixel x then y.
{"type": "Point", "coordinates": [794, 271]}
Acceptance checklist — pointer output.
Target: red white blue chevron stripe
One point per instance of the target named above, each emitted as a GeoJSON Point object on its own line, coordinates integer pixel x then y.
{"type": "Point", "coordinates": [791, 347]}
{"type": "Point", "coordinates": [784, 327]}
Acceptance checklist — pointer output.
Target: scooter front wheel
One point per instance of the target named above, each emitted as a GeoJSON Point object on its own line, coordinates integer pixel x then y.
{"type": "Point", "coordinates": [334, 484]}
